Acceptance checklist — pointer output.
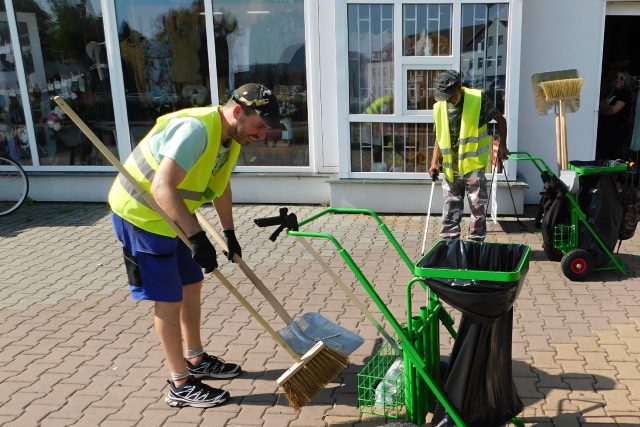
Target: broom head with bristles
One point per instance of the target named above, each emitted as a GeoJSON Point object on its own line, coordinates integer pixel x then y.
{"type": "Point", "coordinates": [555, 90]}
{"type": "Point", "coordinates": [317, 368]}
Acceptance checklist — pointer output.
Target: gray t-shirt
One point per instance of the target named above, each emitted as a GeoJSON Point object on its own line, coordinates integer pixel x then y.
{"type": "Point", "coordinates": [184, 140]}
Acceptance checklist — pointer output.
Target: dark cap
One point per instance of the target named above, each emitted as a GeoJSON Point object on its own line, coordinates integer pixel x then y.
{"type": "Point", "coordinates": [446, 84]}
{"type": "Point", "coordinates": [260, 99]}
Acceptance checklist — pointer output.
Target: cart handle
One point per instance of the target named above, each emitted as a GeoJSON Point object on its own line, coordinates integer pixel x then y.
{"type": "Point", "coordinates": [523, 155]}
{"type": "Point", "coordinates": [369, 212]}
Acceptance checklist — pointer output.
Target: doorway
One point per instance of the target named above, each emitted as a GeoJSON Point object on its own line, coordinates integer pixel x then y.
{"type": "Point", "coordinates": [620, 81]}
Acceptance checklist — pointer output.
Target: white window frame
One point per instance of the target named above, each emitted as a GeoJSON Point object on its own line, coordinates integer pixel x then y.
{"type": "Point", "coordinates": [402, 64]}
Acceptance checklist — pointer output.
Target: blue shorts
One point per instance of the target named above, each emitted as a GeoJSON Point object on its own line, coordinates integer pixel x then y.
{"type": "Point", "coordinates": [157, 266]}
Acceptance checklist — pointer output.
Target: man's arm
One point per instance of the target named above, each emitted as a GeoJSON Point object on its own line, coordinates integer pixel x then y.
{"type": "Point", "coordinates": [223, 205]}
{"type": "Point", "coordinates": [164, 189]}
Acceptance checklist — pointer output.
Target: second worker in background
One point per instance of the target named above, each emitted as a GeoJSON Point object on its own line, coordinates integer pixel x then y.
{"type": "Point", "coordinates": [463, 147]}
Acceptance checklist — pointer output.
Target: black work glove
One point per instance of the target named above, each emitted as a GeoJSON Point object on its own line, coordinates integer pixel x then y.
{"type": "Point", "coordinates": [203, 252]}
{"type": "Point", "coordinates": [232, 244]}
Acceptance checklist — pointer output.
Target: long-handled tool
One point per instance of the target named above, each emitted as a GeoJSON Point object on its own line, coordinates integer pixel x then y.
{"type": "Point", "coordinates": [303, 333]}
{"type": "Point", "coordinates": [561, 91]}
{"type": "Point", "coordinates": [311, 372]}
{"type": "Point", "coordinates": [434, 178]}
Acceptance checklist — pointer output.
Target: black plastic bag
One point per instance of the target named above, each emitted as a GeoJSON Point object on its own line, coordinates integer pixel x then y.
{"type": "Point", "coordinates": [479, 382]}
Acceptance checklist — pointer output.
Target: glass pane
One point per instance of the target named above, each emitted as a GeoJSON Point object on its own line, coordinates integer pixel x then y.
{"type": "Point", "coordinates": [263, 41]}
{"type": "Point", "coordinates": [420, 89]}
{"type": "Point", "coordinates": [484, 64]}
{"type": "Point", "coordinates": [64, 53]}
{"type": "Point", "coordinates": [163, 45]}
{"type": "Point", "coordinates": [14, 143]}
{"type": "Point", "coordinates": [391, 147]}
{"type": "Point", "coordinates": [370, 57]}
{"type": "Point", "coordinates": [426, 29]}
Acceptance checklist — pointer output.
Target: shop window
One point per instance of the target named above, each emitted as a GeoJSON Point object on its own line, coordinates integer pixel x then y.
{"type": "Point", "coordinates": [426, 29]}
{"type": "Point", "coordinates": [163, 45]}
{"type": "Point", "coordinates": [402, 141]}
{"type": "Point", "coordinates": [263, 41]}
{"type": "Point", "coordinates": [391, 147]}
{"type": "Point", "coordinates": [63, 53]}
{"type": "Point", "coordinates": [420, 89]}
{"type": "Point", "coordinates": [370, 58]}
{"type": "Point", "coordinates": [480, 22]}
{"type": "Point", "coordinates": [14, 142]}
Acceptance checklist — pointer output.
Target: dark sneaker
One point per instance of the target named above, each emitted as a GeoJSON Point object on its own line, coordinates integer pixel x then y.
{"type": "Point", "coordinates": [213, 367]}
{"type": "Point", "coordinates": [195, 393]}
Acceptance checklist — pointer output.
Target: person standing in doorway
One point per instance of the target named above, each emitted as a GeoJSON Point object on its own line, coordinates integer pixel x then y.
{"type": "Point", "coordinates": [615, 109]}
{"type": "Point", "coordinates": [462, 149]}
{"type": "Point", "coordinates": [183, 162]}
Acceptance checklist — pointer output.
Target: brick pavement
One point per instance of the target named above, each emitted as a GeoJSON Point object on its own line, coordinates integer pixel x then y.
{"type": "Point", "coordinates": [76, 350]}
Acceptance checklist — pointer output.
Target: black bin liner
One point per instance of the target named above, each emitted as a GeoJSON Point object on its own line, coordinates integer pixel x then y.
{"type": "Point", "coordinates": [479, 381]}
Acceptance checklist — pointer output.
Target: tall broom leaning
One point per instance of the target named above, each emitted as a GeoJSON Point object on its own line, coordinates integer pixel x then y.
{"type": "Point", "coordinates": [561, 91]}
{"type": "Point", "coordinates": [311, 372]}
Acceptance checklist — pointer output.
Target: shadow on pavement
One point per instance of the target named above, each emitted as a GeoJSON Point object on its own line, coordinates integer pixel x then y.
{"type": "Point", "coordinates": [44, 215]}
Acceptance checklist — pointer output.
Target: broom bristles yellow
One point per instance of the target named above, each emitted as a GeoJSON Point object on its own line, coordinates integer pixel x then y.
{"type": "Point", "coordinates": [562, 89]}
{"type": "Point", "coordinates": [317, 368]}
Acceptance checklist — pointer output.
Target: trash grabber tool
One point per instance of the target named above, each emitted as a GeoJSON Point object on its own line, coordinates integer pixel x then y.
{"type": "Point", "coordinates": [434, 178]}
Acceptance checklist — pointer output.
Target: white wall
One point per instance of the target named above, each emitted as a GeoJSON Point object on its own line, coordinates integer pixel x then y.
{"type": "Point", "coordinates": [559, 35]}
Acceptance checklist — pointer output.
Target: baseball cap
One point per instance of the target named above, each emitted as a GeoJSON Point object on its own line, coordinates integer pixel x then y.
{"type": "Point", "coordinates": [446, 84]}
{"type": "Point", "coordinates": [260, 99]}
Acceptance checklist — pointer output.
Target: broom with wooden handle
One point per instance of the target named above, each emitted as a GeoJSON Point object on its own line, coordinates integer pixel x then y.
{"type": "Point", "coordinates": [311, 372]}
{"type": "Point", "coordinates": [561, 91]}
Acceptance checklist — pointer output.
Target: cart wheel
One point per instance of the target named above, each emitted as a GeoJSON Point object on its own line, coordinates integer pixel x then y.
{"type": "Point", "coordinates": [577, 264]}
{"type": "Point", "coordinates": [553, 254]}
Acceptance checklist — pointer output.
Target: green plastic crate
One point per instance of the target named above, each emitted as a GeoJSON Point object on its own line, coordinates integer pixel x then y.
{"type": "Point", "coordinates": [563, 237]}
{"type": "Point", "coordinates": [378, 395]}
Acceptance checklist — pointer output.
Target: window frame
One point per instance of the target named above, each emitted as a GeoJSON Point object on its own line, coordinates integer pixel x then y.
{"type": "Point", "coordinates": [403, 63]}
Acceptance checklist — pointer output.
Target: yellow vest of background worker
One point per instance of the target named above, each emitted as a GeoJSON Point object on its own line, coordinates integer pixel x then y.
{"type": "Point", "coordinates": [198, 187]}
{"type": "Point", "coordinates": [473, 146]}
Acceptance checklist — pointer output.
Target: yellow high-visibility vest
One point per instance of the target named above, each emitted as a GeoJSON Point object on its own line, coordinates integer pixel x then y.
{"type": "Point", "coordinates": [473, 146]}
{"type": "Point", "coordinates": [198, 186]}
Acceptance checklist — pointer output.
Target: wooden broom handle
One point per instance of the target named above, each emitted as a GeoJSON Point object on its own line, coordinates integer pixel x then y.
{"type": "Point", "coordinates": [354, 299]}
{"type": "Point", "coordinates": [154, 205]}
{"type": "Point", "coordinates": [247, 271]}
{"type": "Point", "coordinates": [563, 133]}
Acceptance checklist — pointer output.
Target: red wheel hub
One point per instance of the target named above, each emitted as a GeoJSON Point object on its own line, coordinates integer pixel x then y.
{"type": "Point", "coordinates": [579, 265]}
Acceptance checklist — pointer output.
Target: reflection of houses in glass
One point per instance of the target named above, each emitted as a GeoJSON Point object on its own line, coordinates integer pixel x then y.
{"type": "Point", "coordinates": [483, 56]}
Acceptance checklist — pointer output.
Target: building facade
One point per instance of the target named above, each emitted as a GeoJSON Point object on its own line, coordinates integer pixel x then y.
{"type": "Point", "coordinates": [354, 79]}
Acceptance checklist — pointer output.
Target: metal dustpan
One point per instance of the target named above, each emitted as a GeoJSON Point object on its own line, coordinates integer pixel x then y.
{"type": "Point", "coordinates": [305, 332]}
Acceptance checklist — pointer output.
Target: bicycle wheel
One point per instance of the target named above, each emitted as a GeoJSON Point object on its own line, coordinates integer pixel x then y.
{"type": "Point", "coordinates": [14, 186]}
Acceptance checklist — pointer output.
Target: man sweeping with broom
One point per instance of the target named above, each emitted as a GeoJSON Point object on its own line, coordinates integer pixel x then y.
{"type": "Point", "coordinates": [185, 161]}
{"type": "Point", "coordinates": [462, 148]}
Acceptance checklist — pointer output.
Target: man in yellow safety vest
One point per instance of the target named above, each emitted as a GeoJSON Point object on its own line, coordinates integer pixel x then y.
{"type": "Point", "coordinates": [462, 148]}
{"type": "Point", "coordinates": [183, 162]}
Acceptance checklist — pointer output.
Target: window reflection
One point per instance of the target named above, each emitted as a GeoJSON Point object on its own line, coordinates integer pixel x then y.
{"type": "Point", "coordinates": [370, 53]}
{"type": "Point", "coordinates": [484, 64]}
{"type": "Point", "coordinates": [63, 52]}
{"type": "Point", "coordinates": [391, 147]}
{"type": "Point", "coordinates": [163, 45]}
{"type": "Point", "coordinates": [263, 41]}
{"type": "Point", "coordinates": [420, 89]}
{"type": "Point", "coordinates": [427, 29]}
{"type": "Point", "coordinates": [14, 142]}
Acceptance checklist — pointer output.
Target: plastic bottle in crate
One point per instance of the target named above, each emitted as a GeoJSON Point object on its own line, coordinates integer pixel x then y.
{"type": "Point", "coordinates": [388, 389]}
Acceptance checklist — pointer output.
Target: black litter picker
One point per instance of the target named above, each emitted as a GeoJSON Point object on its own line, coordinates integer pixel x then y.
{"type": "Point", "coordinates": [406, 377]}
{"type": "Point", "coordinates": [584, 213]}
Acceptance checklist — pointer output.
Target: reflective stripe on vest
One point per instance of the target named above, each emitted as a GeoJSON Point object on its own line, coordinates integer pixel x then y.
{"type": "Point", "coordinates": [473, 145]}
{"type": "Point", "coordinates": [198, 186]}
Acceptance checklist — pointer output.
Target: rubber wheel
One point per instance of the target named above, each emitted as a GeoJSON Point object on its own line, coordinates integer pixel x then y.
{"type": "Point", "coordinates": [552, 253]}
{"type": "Point", "coordinates": [577, 264]}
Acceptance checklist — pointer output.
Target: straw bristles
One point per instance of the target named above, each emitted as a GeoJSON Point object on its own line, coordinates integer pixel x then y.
{"type": "Point", "coordinates": [562, 89]}
{"type": "Point", "coordinates": [312, 377]}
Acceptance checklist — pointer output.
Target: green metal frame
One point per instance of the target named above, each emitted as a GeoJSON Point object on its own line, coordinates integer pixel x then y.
{"type": "Point", "coordinates": [577, 215]}
{"type": "Point", "coordinates": [420, 340]}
